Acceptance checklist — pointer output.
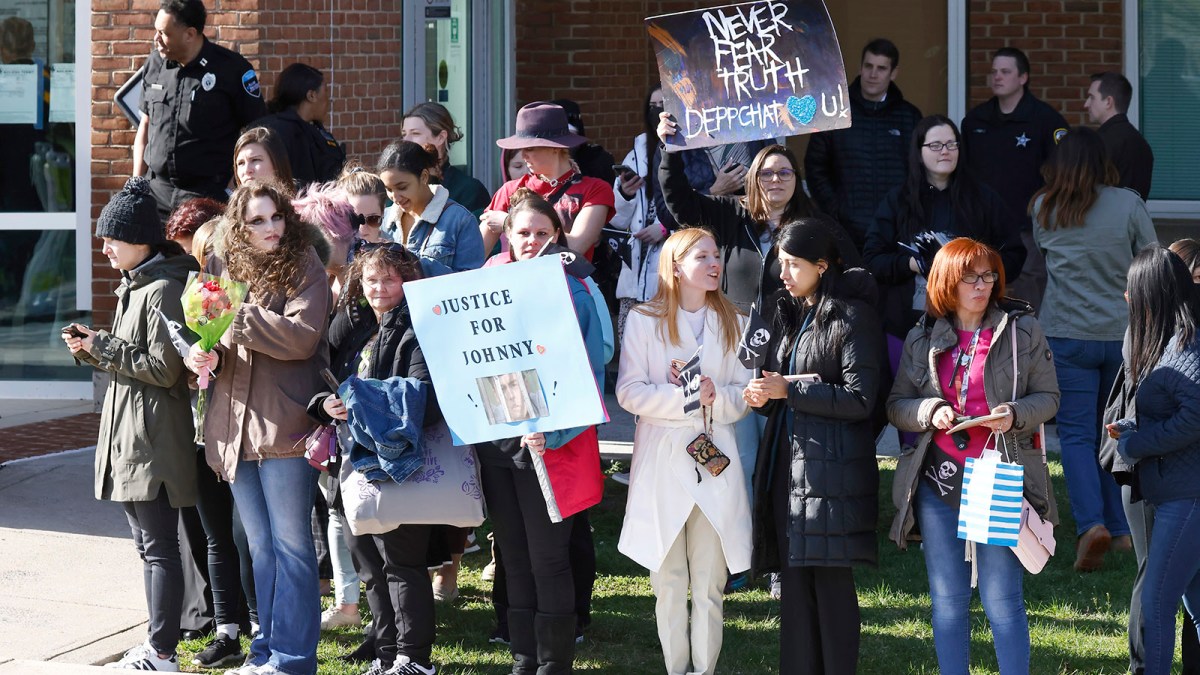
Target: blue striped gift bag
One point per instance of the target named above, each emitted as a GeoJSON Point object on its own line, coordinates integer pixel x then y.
{"type": "Point", "coordinates": [989, 511]}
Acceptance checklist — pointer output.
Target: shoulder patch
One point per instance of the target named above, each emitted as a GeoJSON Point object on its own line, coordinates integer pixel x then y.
{"type": "Point", "coordinates": [250, 83]}
{"type": "Point", "coordinates": [1059, 133]}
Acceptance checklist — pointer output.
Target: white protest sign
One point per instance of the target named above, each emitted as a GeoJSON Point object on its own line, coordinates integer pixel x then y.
{"type": "Point", "coordinates": [504, 350]}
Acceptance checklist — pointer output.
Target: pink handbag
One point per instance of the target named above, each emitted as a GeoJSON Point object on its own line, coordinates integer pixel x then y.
{"type": "Point", "coordinates": [320, 445]}
{"type": "Point", "coordinates": [1035, 543]}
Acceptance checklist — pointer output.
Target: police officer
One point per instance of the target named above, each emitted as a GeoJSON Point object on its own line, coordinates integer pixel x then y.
{"type": "Point", "coordinates": [1007, 139]}
{"type": "Point", "coordinates": [196, 97]}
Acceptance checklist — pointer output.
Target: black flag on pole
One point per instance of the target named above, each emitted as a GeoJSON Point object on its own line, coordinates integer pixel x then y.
{"type": "Point", "coordinates": [752, 348]}
{"type": "Point", "coordinates": [689, 374]}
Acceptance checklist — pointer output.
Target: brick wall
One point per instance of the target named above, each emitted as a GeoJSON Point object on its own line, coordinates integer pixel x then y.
{"type": "Point", "coordinates": [357, 50]}
{"type": "Point", "coordinates": [1066, 41]}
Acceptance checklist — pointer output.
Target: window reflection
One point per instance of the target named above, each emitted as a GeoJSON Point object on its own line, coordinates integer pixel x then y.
{"type": "Point", "coordinates": [37, 298]}
{"type": "Point", "coordinates": [37, 111]}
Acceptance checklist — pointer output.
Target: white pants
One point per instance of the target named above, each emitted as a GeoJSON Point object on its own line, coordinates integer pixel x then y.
{"type": "Point", "coordinates": [695, 560]}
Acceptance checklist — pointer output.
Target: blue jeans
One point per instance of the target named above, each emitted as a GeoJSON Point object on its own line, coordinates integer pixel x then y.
{"type": "Point", "coordinates": [1000, 590]}
{"type": "Point", "coordinates": [1172, 572]}
{"type": "Point", "coordinates": [1086, 370]}
{"type": "Point", "coordinates": [275, 498]}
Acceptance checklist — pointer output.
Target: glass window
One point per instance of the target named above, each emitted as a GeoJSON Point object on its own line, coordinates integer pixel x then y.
{"type": "Point", "coordinates": [1170, 94]}
{"type": "Point", "coordinates": [38, 242]}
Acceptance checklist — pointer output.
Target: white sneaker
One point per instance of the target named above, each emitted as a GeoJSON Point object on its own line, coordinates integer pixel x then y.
{"type": "Point", "coordinates": [143, 657]}
{"type": "Point", "coordinates": [245, 669]}
{"type": "Point", "coordinates": [622, 477]}
{"type": "Point", "coordinates": [403, 666]}
{"type": "Point", "coordinates": [335, 618]}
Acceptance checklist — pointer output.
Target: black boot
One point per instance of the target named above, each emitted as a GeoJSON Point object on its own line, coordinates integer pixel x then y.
{"type": "Point", "coordinates": [522, 641]}
{"type": "Point", "coordinates": [555, 643]}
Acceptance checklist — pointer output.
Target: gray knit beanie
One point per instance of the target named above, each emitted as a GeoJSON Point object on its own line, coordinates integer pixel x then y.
{"type": "Point", "coordinates": [131, 215]}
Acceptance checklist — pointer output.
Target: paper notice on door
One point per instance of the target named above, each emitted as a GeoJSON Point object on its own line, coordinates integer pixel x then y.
{"type": "Point", "coordinates": [62, 92]}
{"type": "Point", "coordinates": [19, 94]}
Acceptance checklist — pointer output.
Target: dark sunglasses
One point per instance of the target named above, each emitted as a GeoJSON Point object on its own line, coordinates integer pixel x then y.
{"type": "Point", "coordinates": [358, 220]}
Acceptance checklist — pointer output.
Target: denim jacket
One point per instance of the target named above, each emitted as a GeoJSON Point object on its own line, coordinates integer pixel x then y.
{"type": "Point", "coordinates": [385, 419]}
{"type": "Point", "coordinates": [446, 237]}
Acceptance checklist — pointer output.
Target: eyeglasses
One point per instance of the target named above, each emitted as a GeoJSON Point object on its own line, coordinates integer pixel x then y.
{"type": "Point", "coordinates": [938, 146]}
{"type": "Point", "coordinates": [988, 278]}
{"type": "Point", "coordinates": [784, 175]}
{"type": "Point", "coordinates": [373, 220]}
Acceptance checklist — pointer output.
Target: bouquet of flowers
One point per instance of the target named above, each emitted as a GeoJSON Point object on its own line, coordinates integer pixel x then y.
{"type": "Point", "coordinates": [209, 305]}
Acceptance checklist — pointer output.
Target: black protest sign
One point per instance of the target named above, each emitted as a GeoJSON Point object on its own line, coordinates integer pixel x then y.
{"type": "Point", "coordinates": [750, 71]}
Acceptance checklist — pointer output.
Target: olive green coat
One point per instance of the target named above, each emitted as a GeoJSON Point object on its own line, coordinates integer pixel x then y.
{"type": "Point", "coordinates": [146, 431]}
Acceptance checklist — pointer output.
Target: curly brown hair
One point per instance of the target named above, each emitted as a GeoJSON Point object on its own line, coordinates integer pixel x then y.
{"type": "Point", "coordinates": [390, 255]}
{"type": "Point", "coordinates": [278, 270]}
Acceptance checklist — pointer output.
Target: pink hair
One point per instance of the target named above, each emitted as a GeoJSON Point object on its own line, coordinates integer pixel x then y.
{"type": "Point", "coordinates": [326, 206]}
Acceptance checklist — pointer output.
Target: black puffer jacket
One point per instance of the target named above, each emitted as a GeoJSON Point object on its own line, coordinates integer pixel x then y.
{"type": "Point", "coordinates": [832, 478]}
{"type": "Point", "coordinates": [850, 170]}
{"type": "Point", "coordinates": [747, 270]}
{"type": "Point", "coordinates": [992, 223]}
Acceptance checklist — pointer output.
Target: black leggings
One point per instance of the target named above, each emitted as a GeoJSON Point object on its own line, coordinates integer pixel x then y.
{"type": "Point", "coordinates": [155, 527]}
{"type": "Point", "coordinates": [536, 551]}
{"type": "Point", "coordinates": [228, 552]}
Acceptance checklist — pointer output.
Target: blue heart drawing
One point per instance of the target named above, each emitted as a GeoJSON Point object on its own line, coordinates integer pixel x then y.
{"type": "Point", "coordinates": [802, 109]}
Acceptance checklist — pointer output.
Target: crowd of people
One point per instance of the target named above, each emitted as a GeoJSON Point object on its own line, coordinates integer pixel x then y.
{"type": "Point", "coordinates": [906, 271]}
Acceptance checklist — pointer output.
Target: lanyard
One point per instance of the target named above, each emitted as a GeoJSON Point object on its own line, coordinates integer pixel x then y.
{"type": "Point", "coordinates": [969, 357]}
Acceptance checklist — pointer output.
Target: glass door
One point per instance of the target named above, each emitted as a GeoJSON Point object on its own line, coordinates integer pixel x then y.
{"type": "Point", "coordinates": [45, 238]}
{"type": "Point", "coordinates": [459, 55]}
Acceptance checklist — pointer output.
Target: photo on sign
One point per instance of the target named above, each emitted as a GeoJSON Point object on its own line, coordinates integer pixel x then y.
{"type": "Point", "coordinates": [512, 397]}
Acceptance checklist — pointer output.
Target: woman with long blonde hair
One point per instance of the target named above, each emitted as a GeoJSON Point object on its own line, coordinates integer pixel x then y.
{"type": "Point", "coordinates": [687, 522]}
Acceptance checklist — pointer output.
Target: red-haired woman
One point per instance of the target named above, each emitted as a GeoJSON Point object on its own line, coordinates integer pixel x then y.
{"type": "Point", "coordinates": [959, 361]}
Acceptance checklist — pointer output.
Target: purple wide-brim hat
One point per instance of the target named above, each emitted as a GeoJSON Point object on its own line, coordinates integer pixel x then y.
{"type": "Point", "coordinates": [541, 125]}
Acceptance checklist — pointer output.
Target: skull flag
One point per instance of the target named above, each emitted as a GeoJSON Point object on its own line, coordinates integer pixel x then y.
{"type": "Point", "coordinates": [752, 348]}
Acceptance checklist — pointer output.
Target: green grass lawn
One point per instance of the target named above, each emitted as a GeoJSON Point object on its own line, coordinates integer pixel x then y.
{"type": "Point", "coordinates": [1077, 621]}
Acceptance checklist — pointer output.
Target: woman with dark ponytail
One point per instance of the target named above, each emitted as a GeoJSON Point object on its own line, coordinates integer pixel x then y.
{"type": "Point", "coordinates": [423, 217]}
{"type": "Point", "coordinates": [816, 480]}
{"type": "Point", "coordinates": [298, 110]}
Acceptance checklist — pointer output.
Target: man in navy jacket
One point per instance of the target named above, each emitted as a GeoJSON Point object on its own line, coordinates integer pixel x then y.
{"type": "Point", "coordinates": [1007, 140]}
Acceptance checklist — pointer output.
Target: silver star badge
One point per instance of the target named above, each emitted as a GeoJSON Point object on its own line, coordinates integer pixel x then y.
{"type": "Point", "coordinates": [1022, 140]}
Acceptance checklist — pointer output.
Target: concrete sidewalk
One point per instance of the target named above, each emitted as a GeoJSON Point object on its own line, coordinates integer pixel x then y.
{"type": "Point", "coordinates": [72, 580]}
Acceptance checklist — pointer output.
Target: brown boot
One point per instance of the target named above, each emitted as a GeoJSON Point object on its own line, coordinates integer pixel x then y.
{"type": "Point", "coordinates": [1093, 544]}
{"type": "Point", "coordinates": [1122, 543]}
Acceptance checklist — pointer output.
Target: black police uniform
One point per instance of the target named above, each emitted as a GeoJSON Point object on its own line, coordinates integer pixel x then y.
{"type": "Point", "coordinates": [196, 113]}
{"type": "Point", "coordinates": [313, 152]}
{"type": "Point", "coordinates": [1006, 151]}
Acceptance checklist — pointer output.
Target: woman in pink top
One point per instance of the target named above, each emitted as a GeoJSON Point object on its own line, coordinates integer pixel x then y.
{"type": "Point", "coordinates": [959, 362]}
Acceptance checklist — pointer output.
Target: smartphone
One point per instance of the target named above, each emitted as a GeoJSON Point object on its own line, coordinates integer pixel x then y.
{"type": "Point", "coordinates": [330, 380]}
{"type": "Point", "coordinates": [73, 331]}
{"type": "Point", "coordinates": [621, 170]}
{"type": "Point", "coordinates": [809, 378]}
{"type": "Point", "coordinates": [678, 364]}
